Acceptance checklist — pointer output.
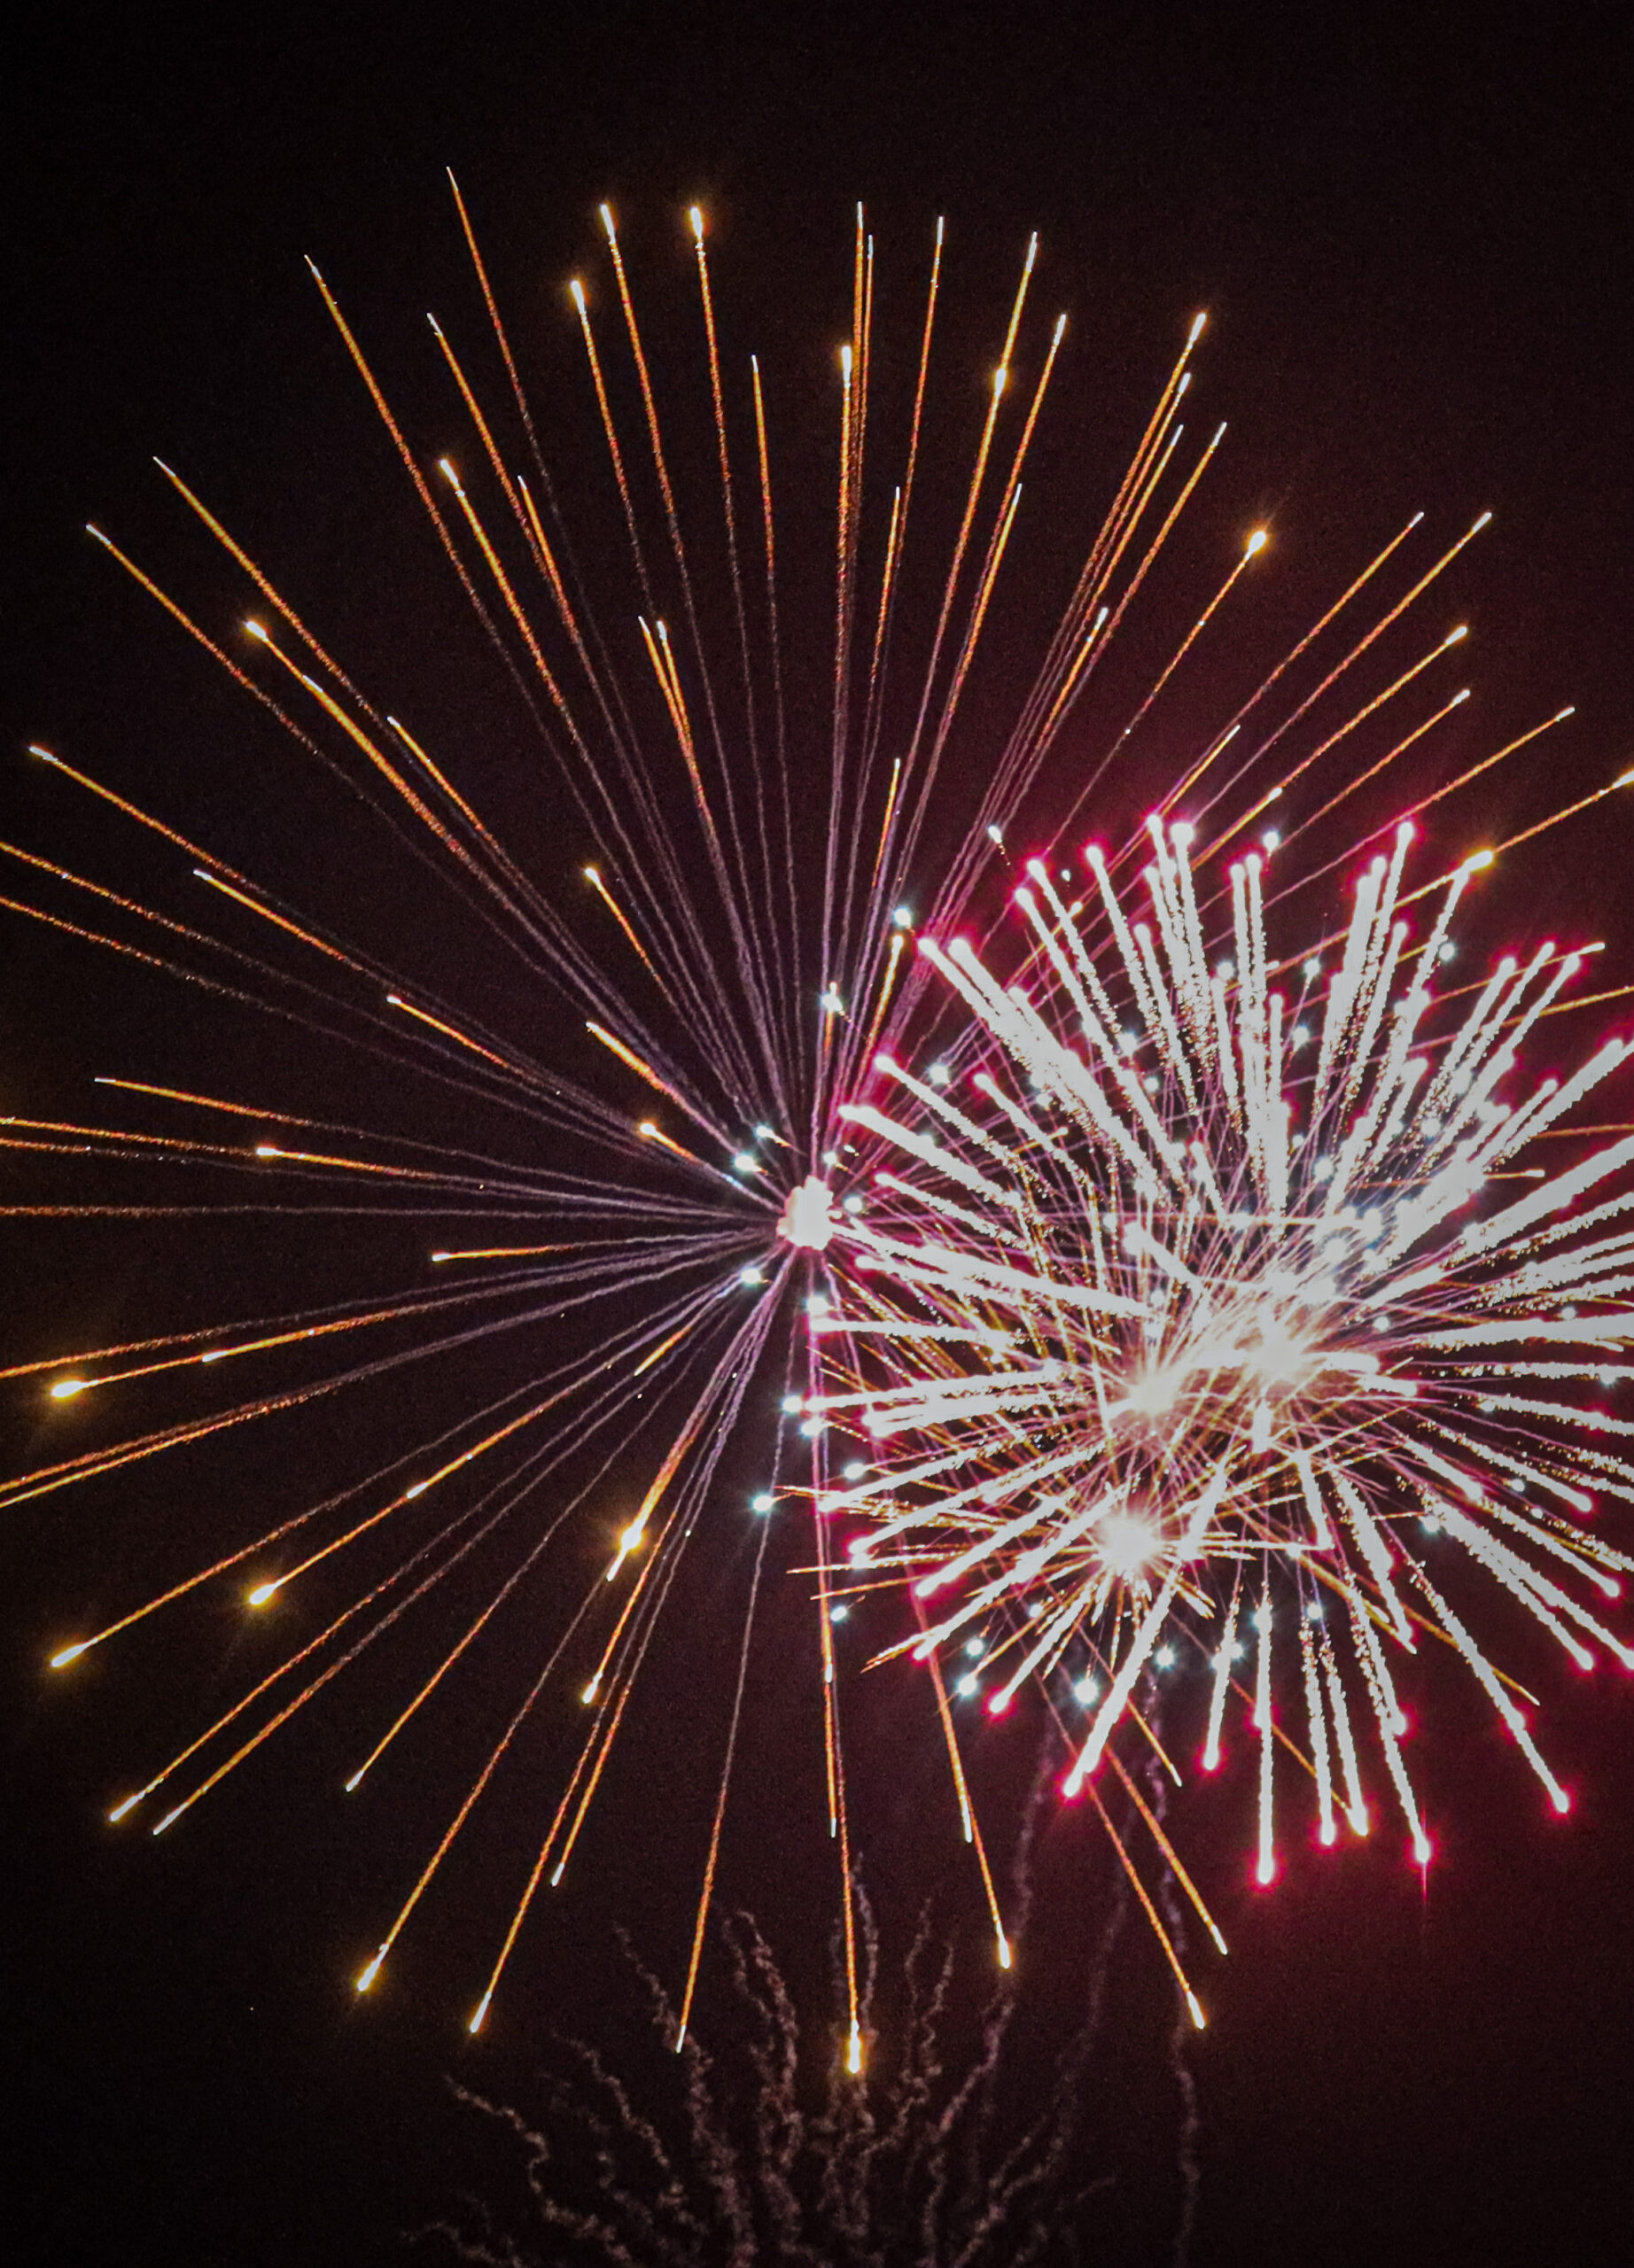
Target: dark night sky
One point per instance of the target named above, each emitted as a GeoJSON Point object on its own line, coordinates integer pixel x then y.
{"type": "Point", "coordinates": [1414, 238]}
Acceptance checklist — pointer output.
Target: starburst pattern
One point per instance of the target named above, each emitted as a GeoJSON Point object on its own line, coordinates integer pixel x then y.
{"type": "Point", "coordinates": [592, 1114]}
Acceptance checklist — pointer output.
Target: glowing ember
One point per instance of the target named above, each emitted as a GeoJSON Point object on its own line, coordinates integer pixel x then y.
{"type": "Point", "coordinates": [808, 1221]}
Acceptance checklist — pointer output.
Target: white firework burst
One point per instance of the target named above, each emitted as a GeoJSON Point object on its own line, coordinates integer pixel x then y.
{"type": "Point", "coordinates": [1207, 1309]}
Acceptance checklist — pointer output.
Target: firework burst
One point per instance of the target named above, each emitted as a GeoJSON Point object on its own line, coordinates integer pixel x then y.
{"type": "Point", "coordinates": [1205, 1327]}
{"type": "Point", "coordinates": [616, 1224]}
{"type": "Point", "coordinates": [610, 1135]}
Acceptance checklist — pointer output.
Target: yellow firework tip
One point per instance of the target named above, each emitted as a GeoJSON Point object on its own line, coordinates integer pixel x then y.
{"type": "Point", "coordinates": [1195, 333]}
{"type": "Point", "coordinates": [628, 1542]}
{"type": "Point", "coordinates": [1627, 781]}
{"type": "Point", "coordinates": [365, 1977]}
{"type": "Point", "coordinates": [1006, 1959]}
{"type": "Point", "coordinates": [695, 214]}
{"type": "Point", "coordinates": [577, 289]}
{"type": "Point", "coordinates": [65, 1389]}
{"type": "Point", "coordinates": [1257, 542]}
{"type": "Point", "coordinates": [853, 2053]}
{"type": "Point", "coordinates": [120, 1810]}
{"type": "Point", "coordinates": [69, 1654]}
{"type": "Point", "coordinates": [481, 2016]}
{"type": "Point", "coordinates": [1477, 859]}
{"type": "Point", "coordinates": [262, 1594]}
{"type": "Point", "coordinates": [1198, 2018]}
{"type": "Point", "coordinates": [607, 222]}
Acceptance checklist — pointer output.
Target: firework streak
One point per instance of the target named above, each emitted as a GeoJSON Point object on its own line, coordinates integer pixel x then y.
{"type": "Point", "coordinates": [1172, 1307]}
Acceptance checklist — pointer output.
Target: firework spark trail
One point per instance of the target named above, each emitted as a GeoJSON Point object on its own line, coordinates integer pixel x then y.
{"type": "Point", "coordinates": [542, 1095]}
{"type": "Point", "coordinates": [653, 1269]}
{"type": "Point", "coordinates": [706, 1894]}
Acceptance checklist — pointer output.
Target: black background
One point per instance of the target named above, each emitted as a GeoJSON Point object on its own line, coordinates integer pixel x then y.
{"type": "Point", "coordinates": [1412, 236]}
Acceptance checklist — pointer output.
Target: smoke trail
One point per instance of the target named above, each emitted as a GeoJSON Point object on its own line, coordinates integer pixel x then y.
{"type": "Point", "coordinates": [1182, 2032]}
{"type": "Point", "coordinates": [911, 2164]}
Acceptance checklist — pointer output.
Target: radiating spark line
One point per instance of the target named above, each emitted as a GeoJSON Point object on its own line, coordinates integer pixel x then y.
{"type": "Point", "coordinates": [706, 1894]}
{"type": "Point", "coordinates": [1194, 2005]}
{"type": "Point", "coordinates": [448, 1031]}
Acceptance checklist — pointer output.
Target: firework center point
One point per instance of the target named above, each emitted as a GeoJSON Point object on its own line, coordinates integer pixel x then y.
{"type": "Point", "coordinates": [808, 1217]}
